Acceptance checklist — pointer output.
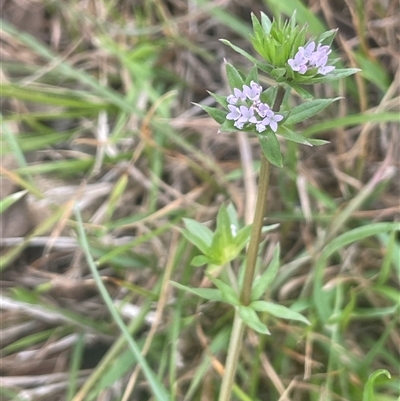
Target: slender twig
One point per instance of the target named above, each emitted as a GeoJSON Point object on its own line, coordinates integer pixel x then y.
{"type": "Point", "coordinates": [251, 259]}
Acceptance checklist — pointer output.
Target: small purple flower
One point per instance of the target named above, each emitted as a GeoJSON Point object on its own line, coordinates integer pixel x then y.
{"type": "Point", "coordinates": [298, 63]}
{"type": "Point", "coordinates": [260, 127]}
{"type": "Point", "coordinates": [262, 109]}
{"type": "Point", "coordinates": [247, 115]}
{"type": "Point", "coordinates": [253, 92]}
{"type": "Point", "coordinates": [272, 120]}
{"type": "Point", "coordinates": [237, 96]}
{"type": "Point", "coordinates": [308, 50]}
{"type": "Point", "coordinates": [234, 112]}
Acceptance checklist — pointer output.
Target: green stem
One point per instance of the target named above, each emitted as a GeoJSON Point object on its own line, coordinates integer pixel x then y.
{"type": "Point", "coordinates": [236, 339]}
{"type": "Point", "coordinates": [232, 358]}
{"type": "Point", "coordinates": [252, 252]}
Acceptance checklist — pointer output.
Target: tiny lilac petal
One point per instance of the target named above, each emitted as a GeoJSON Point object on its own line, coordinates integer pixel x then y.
{"type": "Point", "coordinates": [262, 109]}
{"type": "Point", "coordinates": [326, 69]}
{"type": "Point", "coordinates": [238, 124]}
{"type": "Point", "coordinates": [298, 63]}
{"type": "Point", "coordinates": [239, 94]}
{"type": "Point", "coordinates": [323, 49]}
{"type": "Point", "coordinates": [278, 117]}
{"type": "Point", "coordinates": [309, 49]}
{"type": "Point", "coordinates": [321, 62]}
{"type": "Point", "coordinates": [274, 125]}
{"type": "Point", "coordinates": [260, 127]}
{"type": "Point", "coordinates": [302, 69]}
{"type": "Point", "coordinates": [253, 91]}
{"type": "Point", "coordinates": [234, 113]}
{"type": "Point", "coordinates": [231, 99]}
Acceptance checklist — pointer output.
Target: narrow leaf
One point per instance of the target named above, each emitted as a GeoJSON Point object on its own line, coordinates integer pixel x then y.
{"type": "Point", "coordinates": [228, 293]}
{"type": "Point", "coordinates": [271, 148]}
{"type": "Point", "coordinates": [234, 78]}
{"type": "Point", "coordinates": [211, 294]}
{"type": "Point", "coordinates": [308, 109]}
{"type": "Point", "coordinates": [218, 115]}
{"type": "Point", "coordinates": [293, 136]}
{"type": "Point", "coordinates": [368, 394]}
{"type": "Point", "coordinates": [278, 311]}
{"type": "Point", "coordinates": [263, 282]}
{"type": "Point", "coordinates": [317, 142]}
{"type": "Point", "coordinates": [250, 317]}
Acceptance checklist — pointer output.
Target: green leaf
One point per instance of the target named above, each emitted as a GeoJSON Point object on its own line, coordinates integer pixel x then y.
{"type": "Point", "coordinates": [198, 234]}
{"type": "Point", "coordinates": [234, 78]}
{"type": "Point", "coordinates": [334, 75]}
{"type": "Point", "coordinates": [308, 109]}
{"type": "Point", "coordinates": [262, 66]}
{"type": "Point", "coordinates": [321, 296]}
{"type": "Point", "coordinates": [257, 27]}
{"type": "Point", "coordinates": [278, 311]}
{"type": "Point", "coordinates": [301, 91]}
{"type": "Point", "coordinates": [249, 316]}
{"type": "Point", "coordinates": [243, 237]}
{"type": "Point", "coordinates": [218, 115]}
{"type": "Point", "coordinates": [261, 284]}
{"type": "Point", "coordinates": [317, 142]}
{"type": "Point", "coordinates": [293, 136]}
{"type": "Point", "coordinates": [252, 76]}
{"type": "Point", "coordinates": [228, 293]}
{"type": "Point", "coordinates": [211, 294]}
{"type": "Point", "coordinates": [271, 148]}
{"type": "Point", "coordinates": [224, 225]}
{"type": "Point", "coordinates": [220, 99]}
{"type": "Point", "coordinates": [266, 23]}
{"type": "Point", "coordinates": [200, 260]}
{"type": "Point", "coordinates": [269, 95]}
{"type": "Point", "coordinates": [9, 200]}
{"type": "Point", "coordinates": [368, 394]}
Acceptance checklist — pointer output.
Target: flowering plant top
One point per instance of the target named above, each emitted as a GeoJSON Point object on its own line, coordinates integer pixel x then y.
{"type": "Point", "coordinates": [291, 61]}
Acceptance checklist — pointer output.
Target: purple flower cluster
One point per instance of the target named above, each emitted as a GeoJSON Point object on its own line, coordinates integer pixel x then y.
{"type": "Point", "coordinates": [311, 56]}
{"type": "Point", "coordinates": [245, 107]}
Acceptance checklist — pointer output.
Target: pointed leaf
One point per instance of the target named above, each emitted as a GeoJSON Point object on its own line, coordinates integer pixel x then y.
{"type": "Point", "coordinates": [308, 109]}
{"type": "Point", "coordinates": [271, 227]}
{"type": "Point", "coordinates": [228, 293]}
{"type": "Point", "coordinates": [220, 99]}
{"type": "Point", "coordinates": [263, 282]}
{"type": "Point", "coordinates": [269, 95]}
{"type": "Point", "coordinates": [334, 75]}
{"type": "Point", "coordinates": [198, 234]}
{"type": "Point", "coordinates": [257, 28]}
{"type": "Point", "coordinates": [290, 135]}
{"type": "Point", "coordinates": [278, 311]}
{"type": "Point", "coordinates": [232, 213]}
{"type": "Point", "coordinates": [200, 260]}
{"type": "Point", "coordinates": [266, 23]}
{"type": "Point", "coordinates": [271, 149]}
{"type": "Point", "coordinates": [243, 237]}
{"type": "Point", "coordinates": [252, 76]}
{"type": "Point", "coordinates": [234, 78]}
{"type": "Point", "coordinates": [211, 294]}
{"type": "Point", "coordinates": [262, 66]}
{"type": "Point", "coordinates": [368, 393]}
{"type": "Point", "coordinates": [249, 316]}
{"type": "Point", "coordinates": [224, 225]}
{"type": "Point", "coordinates": [301, 91]}
{"type": "Point", "coordinates": [317, 142]}
{"type": "Point", "coordinates": [218, 115]}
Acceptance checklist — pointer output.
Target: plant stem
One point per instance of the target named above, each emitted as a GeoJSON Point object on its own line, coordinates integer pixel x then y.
{"type": "Point", "coordinates": [251, 259]}
{"type": "Point", "coordinates": [258, 222]}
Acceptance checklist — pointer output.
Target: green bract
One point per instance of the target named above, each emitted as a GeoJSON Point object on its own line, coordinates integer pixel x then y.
{"type": "Point", "coordinates": [224, 244]}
